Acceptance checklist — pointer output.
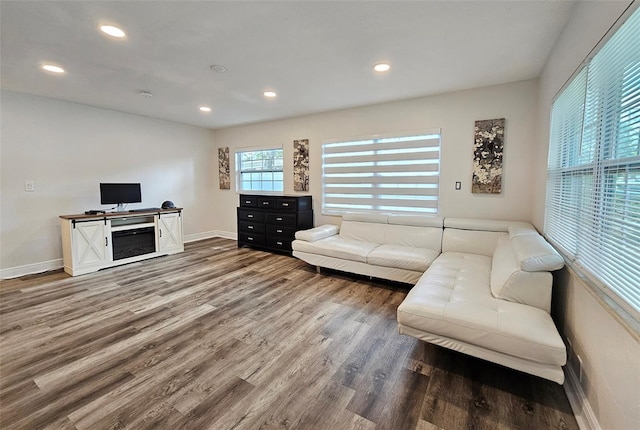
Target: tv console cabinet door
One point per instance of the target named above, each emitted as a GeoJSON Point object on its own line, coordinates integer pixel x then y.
{"type": "Point", "coordinates": [91, 244]}
{"type": "Point", "coordinates": [169, 232]}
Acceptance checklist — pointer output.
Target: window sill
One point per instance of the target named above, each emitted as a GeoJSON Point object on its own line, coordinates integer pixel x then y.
{"type": "Point", "coordinates": [617, 312]}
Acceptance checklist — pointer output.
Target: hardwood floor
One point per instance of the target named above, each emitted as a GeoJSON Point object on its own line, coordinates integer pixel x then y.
{"type": "Point", "coordinates": [225, 338]}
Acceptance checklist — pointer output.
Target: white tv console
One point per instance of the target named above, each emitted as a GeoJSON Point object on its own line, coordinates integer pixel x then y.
{"type": "Point", "coordinates": [94, 242]}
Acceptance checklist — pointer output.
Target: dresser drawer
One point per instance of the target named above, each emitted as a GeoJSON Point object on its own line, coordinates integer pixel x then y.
{"type": "Point", "coordinates": [281, 219]}
{"type": "Point", "coordinates": [248, 201]}
{"type": "Point", "coordinates": [287, 203]}
{"type": "Point", "coordinates": [251, 227]}
{"type": "Point", "coordinates": [279, 243]}
{"type": "Point", "coordinates": [277, 230]}
{"type": "Point", "coordinates": [266, 202]}
{"type": "Point", "coordinates": [250, 238]}
{"type": "Point", "coordinates": [250, 215]}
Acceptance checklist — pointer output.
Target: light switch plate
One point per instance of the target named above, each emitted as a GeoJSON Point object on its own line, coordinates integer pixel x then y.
{"type": "Point", "coordinates": [458, 185]}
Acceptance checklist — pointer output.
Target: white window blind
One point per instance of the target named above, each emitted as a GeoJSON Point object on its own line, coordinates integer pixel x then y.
{"type": "Point", "coordinates": [593, 181]}
{"type": "Point", "coordinates": [389, 174]}
{"type": "Point", "coordinates": [260, 170]}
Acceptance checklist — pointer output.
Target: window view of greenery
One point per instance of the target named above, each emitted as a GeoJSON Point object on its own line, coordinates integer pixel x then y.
{"type": "Point", "coordinates": [260, 170]}
{"type": "Point", "coordinates": [593, 180]}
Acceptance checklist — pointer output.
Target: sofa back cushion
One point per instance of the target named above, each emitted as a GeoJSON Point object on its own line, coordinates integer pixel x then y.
{"type": "Point", "coordinates": [417, 237]}
{"type": "Point", "coordinates": [364, 227]}
{"type": "Point", "coordinates": [404, 230]}
{"type": "Point", "coordinates": [534, 254]}
{"type": "Point", "coordinates": [472, 236]}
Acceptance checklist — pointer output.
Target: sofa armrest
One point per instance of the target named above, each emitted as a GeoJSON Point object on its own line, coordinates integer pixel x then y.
{"type": "Point", "coordinates": [317, 233]}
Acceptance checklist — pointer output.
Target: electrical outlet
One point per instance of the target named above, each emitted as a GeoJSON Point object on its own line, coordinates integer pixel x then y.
{"type": "Point", "coordinates": [29, 186]}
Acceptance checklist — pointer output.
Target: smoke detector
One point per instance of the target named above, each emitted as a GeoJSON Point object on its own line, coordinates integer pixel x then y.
{"type": "Point", "coordinates": [146, 94]}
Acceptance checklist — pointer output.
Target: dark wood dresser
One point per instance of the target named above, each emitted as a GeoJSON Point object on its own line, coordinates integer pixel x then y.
{"type": "Point", "coordinates": [269, 222]}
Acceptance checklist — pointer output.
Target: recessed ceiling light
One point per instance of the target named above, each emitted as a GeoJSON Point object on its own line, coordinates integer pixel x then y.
{"type": "Point", "coordinates": [112, 31]}
{"type": "Point", "coordinates": [52, 68]}
{"type": "Point", "coordinates": [270, 94]}
{"type": "Point", "coordinates": [381, 67]}
{"type": "Point", "coordinates": [205, 108]}
{"type": "Point", "coordinates": [218, 68]}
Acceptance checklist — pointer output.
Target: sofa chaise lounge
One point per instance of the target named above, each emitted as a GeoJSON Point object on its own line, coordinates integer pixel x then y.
{"type": "Point", "coordinates": [482, 287]}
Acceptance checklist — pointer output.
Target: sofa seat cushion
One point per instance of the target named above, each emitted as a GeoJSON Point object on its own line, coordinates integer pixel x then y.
{"type": "Point", "coordinates": [337, 247]}
{"type": "Point", "coordinates": [402, 257]}
{"type": "Point", "coordinates": [453, 299]}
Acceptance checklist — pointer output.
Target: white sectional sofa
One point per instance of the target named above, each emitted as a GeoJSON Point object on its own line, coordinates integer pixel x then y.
{"type": "Point", "coordinates": [482, 287]}
{"type": "Point", "coordinates": [395, 247]}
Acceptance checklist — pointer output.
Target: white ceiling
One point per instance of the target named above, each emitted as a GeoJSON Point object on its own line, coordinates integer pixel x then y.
{"type": "Point", "coordinates": [317, 55]}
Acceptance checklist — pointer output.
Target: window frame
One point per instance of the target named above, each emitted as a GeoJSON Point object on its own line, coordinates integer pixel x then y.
{"type": "Point", "coordinates": [241, 170]}
{"type": "Point", "coordinates": [604, 212]}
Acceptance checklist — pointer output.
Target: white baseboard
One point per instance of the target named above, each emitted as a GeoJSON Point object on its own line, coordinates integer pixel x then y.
{"type": "Point", "coordinates": [29, 269]}
{"type": "Point", "coordinates": [209, 234]}
{"type": "Point", "coordinates": [45, 266]}
{"type": "Point", "coordinates": [579, 404]}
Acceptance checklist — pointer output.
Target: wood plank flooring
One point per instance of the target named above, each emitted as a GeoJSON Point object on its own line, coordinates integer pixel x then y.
{"type": "Point", "coordinates": [224, 338]}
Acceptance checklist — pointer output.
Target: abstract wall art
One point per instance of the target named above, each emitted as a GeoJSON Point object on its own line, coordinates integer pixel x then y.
{"type": "Point", "coordinates": [488, 150]}
{"type": "Point", "coordinates": [224, 171]}
{"type": "Point", "coordinates": [301, 165]}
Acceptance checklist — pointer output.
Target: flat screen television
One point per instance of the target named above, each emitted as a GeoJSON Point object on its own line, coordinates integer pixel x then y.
{"type": "Point", "coordinates": [119, 194]}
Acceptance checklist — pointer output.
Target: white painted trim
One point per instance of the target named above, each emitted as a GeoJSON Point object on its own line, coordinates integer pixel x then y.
{"type": "Point", "coordinates": [209, 235]}
{"type": "Point", "coordinates": [45, 266]}
{"type": "Point", "coordinates": [29, 269]}
{"type": "Point", "coordinates": [579, 404]}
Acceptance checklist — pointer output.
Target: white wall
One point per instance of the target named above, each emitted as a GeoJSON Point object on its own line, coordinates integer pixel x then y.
{"type": "Point", "coordinates": [454, 113]}
{"type": "Point", "coordinates": [67, 149]}
{"type": "Point", "coordinates": [610, 350]}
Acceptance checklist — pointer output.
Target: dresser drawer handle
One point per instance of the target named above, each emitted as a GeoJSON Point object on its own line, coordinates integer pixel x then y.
{"type": "Point", "coordinates": [250, 216]}
{"type": "Point", "coordinates": [249, 238]}
{"type": "Point", "coordinates": [285, 205]}
{"type": "Point", "coordinates": [279, 219]}
{"type": "Point", "coordinates": [278, 231]}
{"type": "Point", "coordinates": [279, 243]}
{"type": "Point", "coordinates": [247, 202]}
{"type": "Point", "coordinates": [265, 203]}
{"type": "Point", "coordinates": [250, 227]}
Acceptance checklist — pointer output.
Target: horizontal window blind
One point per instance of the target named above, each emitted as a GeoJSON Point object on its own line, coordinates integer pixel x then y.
{"type": "Point", "coordinates": [593, 181]}
{"type": "Point", "coordinates": [390, 174]}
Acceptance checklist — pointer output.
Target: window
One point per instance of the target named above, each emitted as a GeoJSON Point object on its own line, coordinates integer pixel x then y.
{"type": "Point", "coordinates": [593, 177]}
{"type": "Point", "coordinates": [385, 174]}
{"type": "Point", "coordinates": [260, 170]}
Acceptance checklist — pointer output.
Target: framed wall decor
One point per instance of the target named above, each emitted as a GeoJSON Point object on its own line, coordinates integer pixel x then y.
{"type": "Point", "coordinates": [224, 171]}
{"type": "Point", "coordinates": [301, 165]}
{"type": "Point", "coordinates": [488, 152]}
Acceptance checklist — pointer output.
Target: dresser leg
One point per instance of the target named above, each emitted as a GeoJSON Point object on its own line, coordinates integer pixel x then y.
{"type": "Point", "coordinates": [318, 269]}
